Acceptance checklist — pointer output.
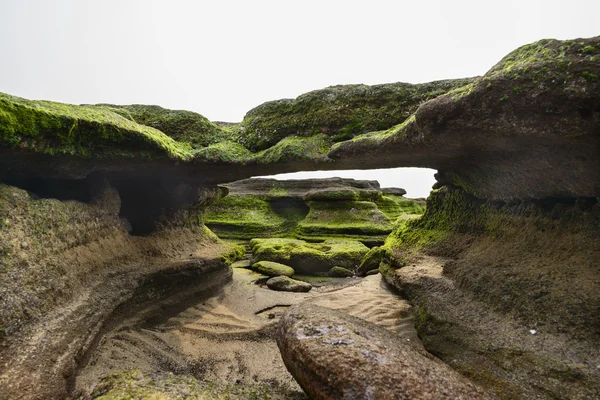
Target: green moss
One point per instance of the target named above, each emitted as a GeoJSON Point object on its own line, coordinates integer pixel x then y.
{"type": "Point", "coordinates": [590, 76]}
{"type": "Point", "coordinates": [237, 253]}
{"type": "Point", "coordinates": [503, 98]}
{"type": "Point", "coordinates": [270, 268]}
{"type": "Point", "coordinates": [88, 131]}
{"type": "Point", "coordinates": [340, 112]}
{"type": "Point", "coordinates": [223, 152]}
{"type": "Point", "coordinates": [517, 90]}
{"type": "Point", "coordinates": [588, 49]}
{"type": "Point", "coordinates": [130, 385]}
{"type": "Point", "coordinates": [183, 126]}
{"type": "Point", "coordinates": [295, 148]}
{"type": "Point", "coordinates": [243, 216]}
{"type": "Point", "coordinates": [330, 218]}
{"type": "Point", "coordinates": [312, 258]}
{"type": "Point", "coordinates": [397, 206]}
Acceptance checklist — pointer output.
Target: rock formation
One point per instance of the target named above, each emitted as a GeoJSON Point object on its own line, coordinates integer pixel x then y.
{"type": "Point", "coordinates": [313, 209]}
{"type": "Point", "coordinates": [99, 204]}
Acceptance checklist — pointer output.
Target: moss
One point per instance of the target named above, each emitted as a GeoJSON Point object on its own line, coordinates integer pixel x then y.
{"type": "Point", "coordinates": [503, 98]}
{"type": "Point", "coordinates": [340, 112]}
{"type": "Point", "coordinates": [340, 272]}
{"type": "Point", "coordinates": [396, 206]}
{"type": "Point", "coordinates": [237, 253]}
{"type": "Point", "coordinates": [294, 148]}
{"type": "Point", "coordinates": [223, 152]}
{"type": "Point", "coordinates": [270, 268]}
{"type": "Point", "coordinates": [87, 131]}
{"type": "Point", "coordinates": [589, 49]}
{"type": "Point", "coordinates": [243, 217]}
{"type": "Point", "coordinates": [307, 257]}
{"type": "Point", "coordinates": [135, 384]}
{"type": "Point", "coordinates": [590, 76]}
{"type": "Point", "coordinates": [331, 218]}
{"type": "Point", "coordinates": [183, 126]}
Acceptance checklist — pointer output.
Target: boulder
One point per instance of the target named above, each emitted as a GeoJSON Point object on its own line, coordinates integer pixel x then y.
{"type": "Point", "coordinates": [286, 284]}
{"type": "Point", "coordinates": [269, 268]}
{"type": "Point", "coordinates": [371, 260]}
{"type": "Point", "coordinates": [310, 258]}
{"type": "Point", "coordinates": [340, 272]}
{"type": "Point", "coordinates": [333, 355]}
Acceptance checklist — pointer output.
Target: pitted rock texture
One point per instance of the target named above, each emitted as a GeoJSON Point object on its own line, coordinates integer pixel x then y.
{"type": "Point", "coordinates": [333, 355]}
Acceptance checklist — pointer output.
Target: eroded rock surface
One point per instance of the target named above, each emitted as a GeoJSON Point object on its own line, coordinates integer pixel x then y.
{"type": "Point", "coordinates": [334, 355]}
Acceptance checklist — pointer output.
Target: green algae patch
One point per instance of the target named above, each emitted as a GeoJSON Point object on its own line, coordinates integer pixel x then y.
{"type": "Point", "coordinates": [139, 385]}
{"type": "Point", "coordinates": [243, 216]}
{"type": "Point", "coordinates": [331, 218]}
{"type": "Point", "coordinates": [310, 258]}
{"type": "Point", "coordinates": [87, 131]}
{"type": "Point", "coordinates": [270, 268]}
{"type": "Point", "coordinates": [340, 112]}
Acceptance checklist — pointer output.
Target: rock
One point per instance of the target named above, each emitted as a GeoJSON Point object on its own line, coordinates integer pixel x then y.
{"type": "Point", "coordinates": [310, 258]}
{"type": "Point", "coordinates": [393, 191]}
{"type": "Point", "coordinates": [372, 260]}
{"type": "Point", "coordinates": [241, 264]}
{"type": "Point", "coordinates": [311, 208]}
{"type": "Point", "coordinates": [270, 268]}
{"type": "Point", "coordinates": [340, 272]}
{"type": "Point", "coordinates": [373, 272]}
{"type": "Point", "coordinates": [537, 110]}
{"type": "Point", "coordinates": [286, 284]}
{"type": "Point", "coordinates": [334, 355]}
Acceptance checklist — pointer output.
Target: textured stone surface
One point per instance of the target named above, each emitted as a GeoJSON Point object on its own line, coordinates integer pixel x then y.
{"type": "Point", "coordinates": [287, 284]}
{"type": "Point", "coordinates": [270, 268]}
{"type": "Point", "coordinates": [333, 355]}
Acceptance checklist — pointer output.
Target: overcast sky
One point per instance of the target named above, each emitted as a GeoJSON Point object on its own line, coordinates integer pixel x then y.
{"type": "Point", "coordinates": [222, 58]}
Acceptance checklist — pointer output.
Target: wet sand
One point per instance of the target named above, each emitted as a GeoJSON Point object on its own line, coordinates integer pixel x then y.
{"type": "Point", "coordinates": [229, 337]}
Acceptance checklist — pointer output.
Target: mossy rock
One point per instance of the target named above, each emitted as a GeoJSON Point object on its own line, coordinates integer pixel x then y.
{"type": "Point", "coordinates": [339, 112]}
{"type": "Point", "coordinates": [270, 268]}
{"type": "Point", "coordinates": [241, 264]}
{"type": "Point", "coordinates": [243, 217]}
{"type": "Point", "coordinates": [85, 131]}
{"type": "Point", "coordinates": [345, 218]}
{"type": "Point", "coordinates": [287, 284]}
{"type": "Point", "coordinates": [332, 194]}
{"type": "Point", "coordinates": [372, 260]}
{"type": "Point", "coordinates": [340, 272]}
{"type": "Point", "coordinates": [310, 258]}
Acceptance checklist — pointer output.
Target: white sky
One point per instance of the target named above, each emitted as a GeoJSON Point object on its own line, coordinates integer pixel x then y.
{"type": "Point", "coordinates": [222, 58]}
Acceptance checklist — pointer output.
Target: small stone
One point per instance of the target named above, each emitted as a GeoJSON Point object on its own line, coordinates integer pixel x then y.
{"type": "Point", "coordinates": [270, 268]}
{"type": "Point", "coordinates": [372, 272]}
{"type": "Point", "coordinates": [286, 284]}
{"type": "Point", "coordinates": [340, 272]}
{"type": "Point", "coordinates": [24, 245]}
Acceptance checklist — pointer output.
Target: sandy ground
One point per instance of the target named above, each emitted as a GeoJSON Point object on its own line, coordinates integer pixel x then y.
{"type": "Point", "coordinates": [228, 337]}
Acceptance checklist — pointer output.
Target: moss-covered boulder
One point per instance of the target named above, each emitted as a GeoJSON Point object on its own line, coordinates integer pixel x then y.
{"type": "Point", "coordinates": [340, 272]}
{"type": "Point", "coordinates": [310, 258]}
{"type": "Point", "coordinates": [270, 268]}
{"type": "Point", "coordinates": [287, 284]}
{"type": "Point", "coordinates": [372, 259]}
